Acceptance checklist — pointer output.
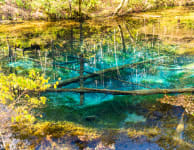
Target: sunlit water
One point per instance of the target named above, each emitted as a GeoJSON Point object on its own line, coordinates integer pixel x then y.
{"type": "Point", "coordinates": [164, 40]}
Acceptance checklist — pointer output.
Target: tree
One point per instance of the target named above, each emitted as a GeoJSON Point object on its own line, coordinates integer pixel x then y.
{"type": "Point", "coordinates": [70, 8]}
{"type": "Point", "coordinates": [122, 3]}
{"type": "Point", "coordinates": [80, 8]}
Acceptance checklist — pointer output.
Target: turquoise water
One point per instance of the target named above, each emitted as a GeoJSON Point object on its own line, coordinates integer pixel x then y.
{"type": "Point", "coordinates": [54, 48]}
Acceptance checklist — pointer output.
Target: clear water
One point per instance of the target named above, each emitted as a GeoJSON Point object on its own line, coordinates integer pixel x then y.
{"type": "Point", "coordinates": [54, 48]}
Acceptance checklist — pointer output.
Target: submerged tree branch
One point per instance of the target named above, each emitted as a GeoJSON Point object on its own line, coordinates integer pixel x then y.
{"type": "Point", "coordinates": [118, 92]}
{"type": "Point", "coordinates": [76, 79]}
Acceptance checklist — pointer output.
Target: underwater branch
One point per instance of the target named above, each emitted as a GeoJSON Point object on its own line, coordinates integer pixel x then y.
{"type": "Point", "coordinates": [77, 79]}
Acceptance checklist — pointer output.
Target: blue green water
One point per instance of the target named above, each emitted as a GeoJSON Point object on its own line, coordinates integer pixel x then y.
{"type": "Point", "coordinates": [54, 48]}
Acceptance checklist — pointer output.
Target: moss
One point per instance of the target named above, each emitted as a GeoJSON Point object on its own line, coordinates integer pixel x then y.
{"type": "Point", "coordinates": [148, 132]}
{"type": "Point", "coordinates": [55, 129]}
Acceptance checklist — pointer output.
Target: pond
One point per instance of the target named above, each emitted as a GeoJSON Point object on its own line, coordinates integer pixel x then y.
{"type": "Point", "coordinates": [159, 45]}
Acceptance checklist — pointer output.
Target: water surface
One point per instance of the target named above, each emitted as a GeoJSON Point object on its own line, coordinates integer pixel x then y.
{"type": "Point", "coordinates": [54, 48]}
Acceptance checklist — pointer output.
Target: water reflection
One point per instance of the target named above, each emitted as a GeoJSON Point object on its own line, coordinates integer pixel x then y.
{"type": "Point", "coordinates": [61, 49]}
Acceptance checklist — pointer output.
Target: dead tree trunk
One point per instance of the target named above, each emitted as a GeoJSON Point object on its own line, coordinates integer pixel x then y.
{"type": "Point", "coordinates": [81, 65]}
{"type": "Point", "coordinates": [9, 49]}
{"type": "Point", "coordinates": [118, 92]}
{"type": "Point", "coordinates": [122, 38]}
{"type": "Point", "coordinates": [81, 78]}
{"type": "Point", "coordinates": [130, 35]}
{"type": "Point", "coordinates": [76, 79]}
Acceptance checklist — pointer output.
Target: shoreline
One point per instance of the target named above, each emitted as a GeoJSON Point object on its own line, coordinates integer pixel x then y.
{"type": "Point", "coordinates": [14, 13]}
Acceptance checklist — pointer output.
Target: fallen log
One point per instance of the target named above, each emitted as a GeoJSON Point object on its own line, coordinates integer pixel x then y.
{"type": "Point", "coordinates": [118, 92]}
{"type": "Point", "coordinates": [76, 79]}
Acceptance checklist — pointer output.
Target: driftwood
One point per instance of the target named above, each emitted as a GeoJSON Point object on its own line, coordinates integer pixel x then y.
{"type": "Point", "coordinates": [118, 92]}
{"type": "Point", "coordinates": [76, 79]}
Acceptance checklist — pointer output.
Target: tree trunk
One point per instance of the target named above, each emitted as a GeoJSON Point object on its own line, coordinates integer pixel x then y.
{"type": "Point", "coordinates": [70, 9]}
{"type": "Point", "coordinates": [76, 79]}
{"type": "Point", "coordinates": [9, 49]}
{"type": "Point", "coordinates": [81, 58]}
{"type": "Point", "coordinates": [119, 7]}
{"type": "Point", "coordinates": [118, 92]}
{"type": "Point", "coordinates": [81, 78]}
{"type": "Point", "coordinates": [122, 38]}
{"type": "Point", "coordinates": [130, 35]}
{"type": "Point", "coordinates": [80, 9]}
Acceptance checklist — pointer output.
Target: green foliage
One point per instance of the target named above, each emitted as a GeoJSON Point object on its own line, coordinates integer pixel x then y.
{"type": "Point", "coordinates": [22, 4]}
{"type": "Point", "coordinates": [90, 4]}
{"type": "Point", "coordinates": [50, 7]}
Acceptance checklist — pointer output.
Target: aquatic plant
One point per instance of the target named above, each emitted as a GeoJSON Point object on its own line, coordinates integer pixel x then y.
{"type": "Point", "coordinates": [56, 130]}
{"type": "Point", "coordinates": [148, 132]}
